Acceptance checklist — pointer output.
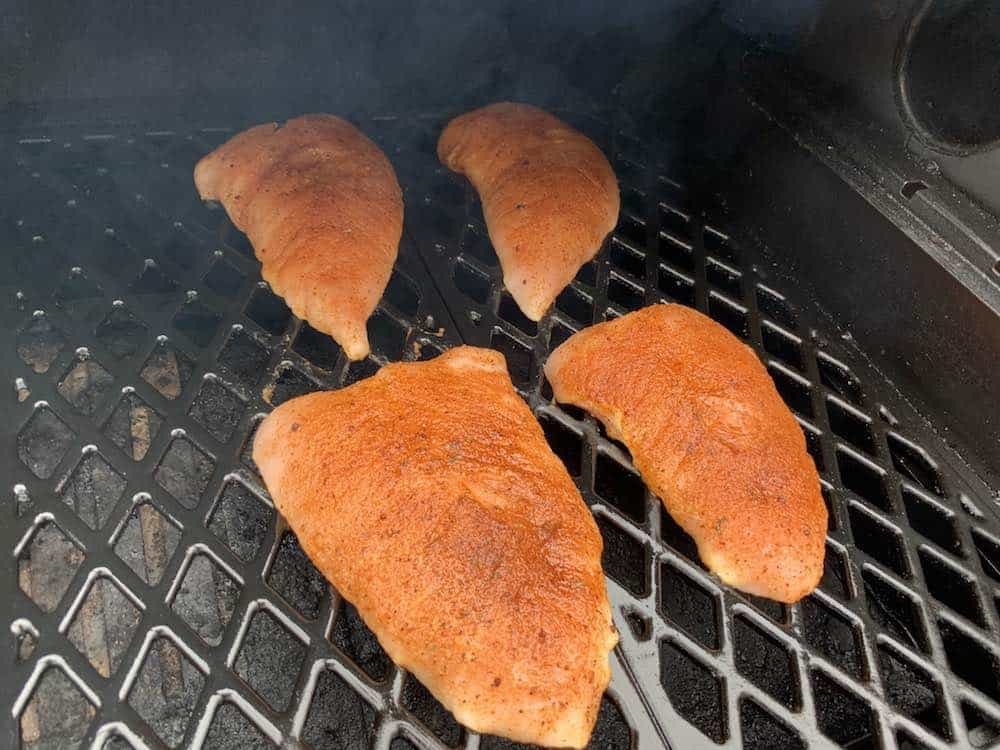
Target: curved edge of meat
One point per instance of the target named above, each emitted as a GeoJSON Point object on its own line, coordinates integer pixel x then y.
{"type": "Point", "coordinates": [490, 679]}
{"type": "Point", "coordinates": [549, 195]}
{"type": "Point", "coordinates": [321, 205]}
{"type": "Point", "coordinates": [711, 436]}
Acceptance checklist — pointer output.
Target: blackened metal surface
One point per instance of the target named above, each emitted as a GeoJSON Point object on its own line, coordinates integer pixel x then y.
{"type": "Point", "coordinates": [156, 599]}
{"type": "Point", "coordinates": [846, 217]}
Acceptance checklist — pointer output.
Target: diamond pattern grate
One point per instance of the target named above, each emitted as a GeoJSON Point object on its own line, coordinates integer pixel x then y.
{"type": "Point", "coordinates": [158, 600]}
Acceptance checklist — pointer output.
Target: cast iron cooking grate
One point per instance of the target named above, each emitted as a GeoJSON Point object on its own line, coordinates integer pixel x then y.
{"type": "Point", "coordinates": [157, 600]}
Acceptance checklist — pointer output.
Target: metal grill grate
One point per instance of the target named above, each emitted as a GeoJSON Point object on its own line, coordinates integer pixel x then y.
{"type": "Point", "coordinates": [158, 600]}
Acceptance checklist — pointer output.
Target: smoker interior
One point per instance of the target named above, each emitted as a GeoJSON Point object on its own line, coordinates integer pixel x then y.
{"type": "Point", "coordinates": [156, 598]}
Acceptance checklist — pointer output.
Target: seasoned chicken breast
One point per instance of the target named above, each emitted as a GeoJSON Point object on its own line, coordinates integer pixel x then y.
{"type": "Point", "coordinates": [323, 210]}
{"type": "Point", "coordinates": [428, 496]}
{"type": "Point", "coordinates": [711, 437]}
{"type": "Point", "coordinates": [549, 195]}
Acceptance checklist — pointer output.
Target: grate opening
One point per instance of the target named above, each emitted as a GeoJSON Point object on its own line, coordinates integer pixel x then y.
{"type": "Point", "coordinates": [989, 553]}
{"type": "Point", "coordinates": [268, 310]}
{"type": "Point", "coordinates": [814, 444]}
{"type": "Point", "coordinates": [833, 636]}
{"type": "Point", "coordinates": [677, 252]}
{"type": "Point", "coordinates": [785, 346]}
{"type": "Point", "coordinates": [864, 479]}
{"type": "Point", "coordinates": [359, 371]}
{"type": "Point", "coordinates": [620, 486]}
{"type": "Point", "coordinates": [113, 256]}
{"type": "Point", "coordinates": [295, 579]}
{"type": "Point", "coordinates": [906, 741]}
{"type": "Point", "coordinates": [197, 321]}
{"type": "Point", "coordinates": [695, 691]}
{"type": "Point", "coordinates": [633, 202]}
{"type": "Point", "coordinates": [733, 316]}
{"type": "Point", "coordinates": [358, 643]}
{"type": "Point", "coordinates": [677, 539]}
{"type": "Point", "coordinates": [470, 282]}
{"type": "Point", "coordinates": [417, 699]}
{"type": "Point", "coordinates": [587, 275]}
{"type": "Point", "coordinates": [206, 598]}
{"type": "Point", "coordinates": [762, 731]}
{"type": "Point", "coordinates": [912, 462]}
{"type": "Point", "coordinates": [726, 279]}
{"type": "Point", "coordinates": [47, 565]}
{"type": "Point", "coordinates": [676, 286]}
{"type": "Point", "coordinates": [970, 659]}
{"type": "Point", "coordinates": [640, 625]}
{"type": "Point", "coordinates": [775, 306]}
{"type": "Point", "coordinates": [180, 249]}
{"type": "Point", "coordinates": [565, 442]}
{"type": "Point", "coordinates": [627, 259]}
{"type": "Point", "coordinates": [829, 500]}
{"type": "Point", "coordinates": [80, 297]}
{"type": "Point", "coordinates": [837, 377]}
{"type": "Point", "coordinates": [624, 557]}
{"type": "Point", "coordinates": [167, 690]}
{"type": "Point", "coordinates": [675, 221]}
{"type": "Point", "coordinates": [184, 471]}
{"type": "Point", "coordinates": [93, 489]}
{"type": "Point", "coordinates": [104, 625]}
{"type": "Point", "coordinates": [270, 658]}
{"type": "Point", "coordinates": [246, 450]}
{"type": "Point", "coordinates": [895, 611]}
{"type": "Point", "coordinates": [842, 715]}
{"type": "Point", "coordinates": [575, 304]}
{"type": "Point", "coordinates": [631, 230]}
{"type": "Point", "coordinates": [58, 714]}
{"type": "Point", "coordinates": [288, 382]}
{"type": "Point", "coordinates": [243, 360]}
{"type": "Point", "coordinates": [510, 312]}
{"type": "Point", "coordinates": [932, 520]}
{"type": "Point", "coordinates": [403, 293]}
{"type": "Point", "coordinates": [689, 606]}
{"type": "Point", "coordinates": [217, 408]}
{"type": "Point", "coordinates": [476, 244]}
{"type": "Point", "coordinates": [154, 288]}
{"type": "Point", "coordinates": [147, 542]}
{"type": "Point", "coordinates": [231, 729]}
{"type": "Point", "coordinates": [85, 384]}
{"type": "Point", "coordinates": [982, 729]}
{"type": "Point", "coordinates": [624, 293]}
{"type": "Point", "coordinates": [851, 425]}
{"type": "Point", "coordinates": [835, 580]}
{"type": "Point", "coordinates": [387, 336]}
{"type": "Point", "coordinates": [717, 243]}
{"type": "Point", "coordinates": [318, 348]}
{"type": "Point", "coordinates": [794, 390]}
{"type": "Point", "coordinates": [39, 343]}
{"type": "Point", "coordinates": [224, 278]}
{"type": "Point", "coordinates": [519, 357]}
{"type": "Point", "coordinates": [878, 539]}
{"type": "Point", "coordinates": [133, 425]}
{"type": "Point", "coordinates": [951, 586]}
{"type": "Point", "coordinates": [240, 519]}
{"type": "Point", "coordinates": [121, 332]}
{"type": "Point", "coordinates": [338, 717]}
{"type": "Point", "coordinates": [167, 369]}
{"type": "Point", "coordinates": [913, 691]}
{"type": "Point", "coordinates": [766, 662]}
